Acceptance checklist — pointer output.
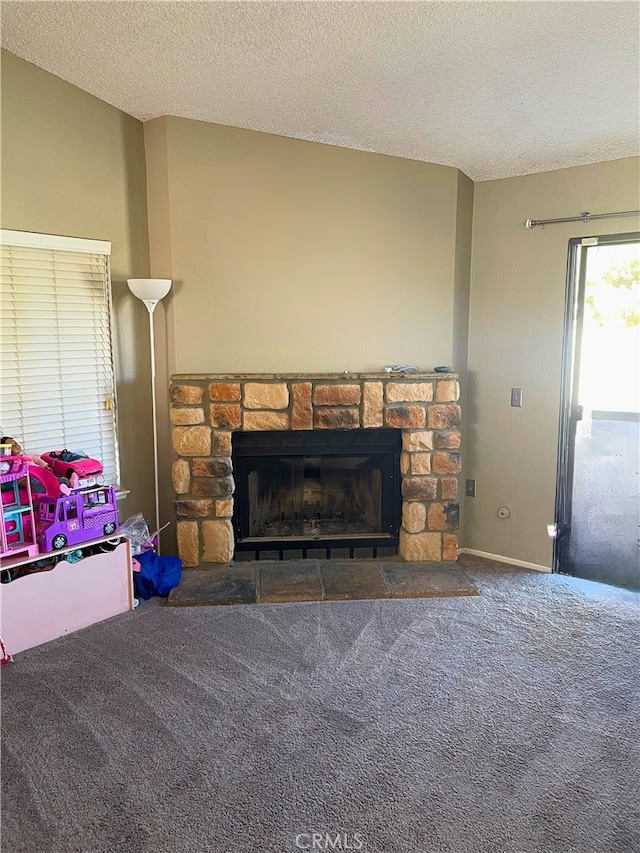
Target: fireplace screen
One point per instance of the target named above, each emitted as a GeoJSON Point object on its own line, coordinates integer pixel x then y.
{"type": "Point", "coordinates": [317, 486]}
{"type": "Point", "coordinates": [315, 496]}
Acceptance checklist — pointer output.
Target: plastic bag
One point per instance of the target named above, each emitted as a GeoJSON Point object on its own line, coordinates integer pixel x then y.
{"type": "Point", "coordinates": [136, 529]}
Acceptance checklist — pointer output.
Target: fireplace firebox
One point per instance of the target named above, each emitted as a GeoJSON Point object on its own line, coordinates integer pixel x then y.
{"type": "Point", "coordinates": [315, 491]}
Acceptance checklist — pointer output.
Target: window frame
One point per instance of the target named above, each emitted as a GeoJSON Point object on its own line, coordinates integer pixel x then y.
{"type": "Point", "coordinates": [81, 245]}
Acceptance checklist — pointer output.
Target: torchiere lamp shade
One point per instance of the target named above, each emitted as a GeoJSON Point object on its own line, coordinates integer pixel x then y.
{"type": "Point", "coordinates": [149, 289]}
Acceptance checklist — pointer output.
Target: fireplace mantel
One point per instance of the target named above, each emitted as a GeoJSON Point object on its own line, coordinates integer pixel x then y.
{"type": "Point", "coordinates": [207, 408]}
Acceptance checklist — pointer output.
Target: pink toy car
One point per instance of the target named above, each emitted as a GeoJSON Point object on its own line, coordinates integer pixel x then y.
{"type": "Point", "coordinates": [64, 463]}
{"type": "Point", "coordinates": [71, 519]}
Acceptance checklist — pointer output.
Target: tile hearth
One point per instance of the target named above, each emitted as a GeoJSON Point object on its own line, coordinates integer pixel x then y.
{"type": "Point", "coordinates": [285, 581]}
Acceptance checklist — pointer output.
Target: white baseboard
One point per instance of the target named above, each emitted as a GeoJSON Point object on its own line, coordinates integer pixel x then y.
{"type": "Point", "coordinates": [523, 564]}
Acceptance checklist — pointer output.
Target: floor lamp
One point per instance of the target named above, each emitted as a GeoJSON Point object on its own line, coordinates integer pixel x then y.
{"type": "Point", "coordinates": [151, 291]}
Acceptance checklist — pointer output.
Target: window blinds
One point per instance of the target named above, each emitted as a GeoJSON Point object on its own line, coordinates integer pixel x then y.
{"type": "Point", "coordinates": [57, 380]}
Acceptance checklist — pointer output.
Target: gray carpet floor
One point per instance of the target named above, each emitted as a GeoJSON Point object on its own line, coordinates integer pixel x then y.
{"type": "Point", "coordinates": [506, 721]}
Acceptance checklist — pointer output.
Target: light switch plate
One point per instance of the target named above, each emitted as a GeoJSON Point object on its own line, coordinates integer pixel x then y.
{"type": "Point", "coordinates": [516, 397]}
{"type": "Point", "coordinates": [470, 490]}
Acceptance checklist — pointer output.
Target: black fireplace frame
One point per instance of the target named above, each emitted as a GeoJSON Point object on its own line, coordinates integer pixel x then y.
{"type": "Point", "coordinates": [385, 443]}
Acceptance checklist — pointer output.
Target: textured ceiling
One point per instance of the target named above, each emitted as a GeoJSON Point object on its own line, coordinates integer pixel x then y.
{"type": "Point", "coordinates": [493, 88]}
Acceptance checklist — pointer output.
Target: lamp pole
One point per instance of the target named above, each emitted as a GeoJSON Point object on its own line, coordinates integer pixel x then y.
{"type": "Point", "coordinates": [151, 291]}
{"type": "Point", "coordinates": [151, 307]}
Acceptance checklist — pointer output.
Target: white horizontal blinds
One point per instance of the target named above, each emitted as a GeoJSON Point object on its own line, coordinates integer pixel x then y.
{"type": "Point", "coordinates": [57, 370]}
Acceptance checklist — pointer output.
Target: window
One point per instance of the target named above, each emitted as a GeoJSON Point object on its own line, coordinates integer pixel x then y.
{"type": "Point", "coordinates": [57, 387]}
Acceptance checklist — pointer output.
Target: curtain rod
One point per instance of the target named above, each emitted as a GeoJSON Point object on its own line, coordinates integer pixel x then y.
{"type": "Point", "coordinates": [585, 217]}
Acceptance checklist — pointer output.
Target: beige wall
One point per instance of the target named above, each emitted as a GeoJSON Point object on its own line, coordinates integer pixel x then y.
{"type": "Point", "coordinates": [516, 332]}
{"type": "Point", "coordinates": [461, 295]}
{"type": "Point", "coordinates": [159, 215]}
{"type": "Point", "coordinates": [73, 165]}
{"type": "Point", "coordinates": [294, 256]}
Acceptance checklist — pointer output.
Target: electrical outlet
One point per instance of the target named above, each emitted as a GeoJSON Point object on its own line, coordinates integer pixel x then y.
{"type": "Point", "coordinates": [470, 490]}
{"type": "Point", "coordinates": [516, 397]}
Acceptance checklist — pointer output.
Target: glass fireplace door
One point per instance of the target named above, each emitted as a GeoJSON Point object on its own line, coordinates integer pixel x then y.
{"type": "Point", "coordinates": [293, 489]}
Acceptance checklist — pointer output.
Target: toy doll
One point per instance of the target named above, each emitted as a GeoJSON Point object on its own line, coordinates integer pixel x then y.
{"type": "Point", "coordinates": [16, 450]}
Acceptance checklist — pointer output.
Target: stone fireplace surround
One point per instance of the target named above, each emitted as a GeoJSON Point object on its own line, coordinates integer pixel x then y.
{"type": "Point", "coordinates": [207, 408]}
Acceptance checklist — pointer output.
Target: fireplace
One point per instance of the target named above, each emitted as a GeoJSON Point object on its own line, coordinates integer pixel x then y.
{"type": "Point", "coordinates": [330, 492]}
{"type": "Point", "coordinates": [335, 448]}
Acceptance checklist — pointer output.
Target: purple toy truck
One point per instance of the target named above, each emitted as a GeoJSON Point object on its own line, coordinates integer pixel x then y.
{"type": "Point", "coordinates": [68, 520]}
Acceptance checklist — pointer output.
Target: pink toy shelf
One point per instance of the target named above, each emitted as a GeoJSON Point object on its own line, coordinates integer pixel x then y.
{"type": "Point", "coordinates": [17, 523]}
{"type": "Point", "coordinates": [44, 605]}
{"type": "Point", "coordinates": [51, 586]}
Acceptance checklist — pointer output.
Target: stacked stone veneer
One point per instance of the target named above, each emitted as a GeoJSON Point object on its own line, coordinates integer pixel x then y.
{"type": "Point", "coordinates": [207, 409]}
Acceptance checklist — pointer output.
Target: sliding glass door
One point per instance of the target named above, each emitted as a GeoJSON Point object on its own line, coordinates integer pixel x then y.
{"type": "Point", "coordinates": [597, 512]}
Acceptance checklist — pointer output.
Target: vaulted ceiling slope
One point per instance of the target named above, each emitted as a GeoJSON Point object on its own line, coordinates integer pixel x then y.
{"type": "Point", "coordinates": [493, 88]}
